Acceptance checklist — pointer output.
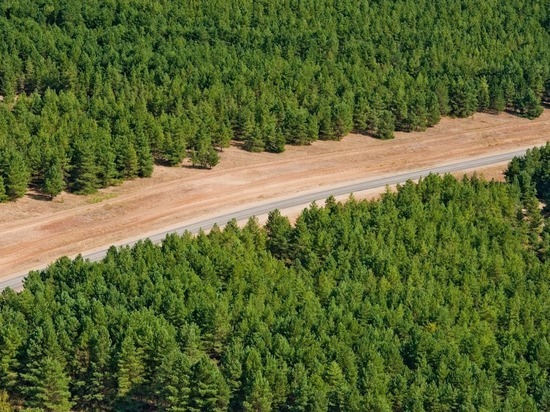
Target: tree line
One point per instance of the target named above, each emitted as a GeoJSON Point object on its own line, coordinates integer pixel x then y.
{"type": "Point", "coordinates": [434, 297]}
{"type": "Point", "coordinates": [96, 92]}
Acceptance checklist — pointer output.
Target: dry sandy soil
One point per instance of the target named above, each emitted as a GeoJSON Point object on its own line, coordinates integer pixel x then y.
{"type": "Point", "coordinates": [34, 232]}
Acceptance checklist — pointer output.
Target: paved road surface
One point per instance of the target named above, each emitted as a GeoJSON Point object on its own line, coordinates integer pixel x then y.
{"type": "Point", "coordinates": [16, 280]}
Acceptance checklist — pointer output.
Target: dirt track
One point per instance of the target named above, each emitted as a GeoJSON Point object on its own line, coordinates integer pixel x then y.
{"type": "Point", "coordinates": [34, 232]}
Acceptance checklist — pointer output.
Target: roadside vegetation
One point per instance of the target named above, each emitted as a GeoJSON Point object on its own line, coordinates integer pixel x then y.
{"type": "Point", "coordinates": [532, 173]}
{"type": "Point", "coordinates": [434, 297]}
{"type": "Point", "coordinates": [93, 93]}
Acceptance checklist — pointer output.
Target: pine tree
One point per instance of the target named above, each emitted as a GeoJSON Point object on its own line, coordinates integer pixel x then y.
{"type": "Point", "coordinates": [338, 388]}
{"type": "Point", "coordinates": [418, 114]}
{"type": "Point", "coordinates": [275, 142]}
{"type": "Point", "coordinates": [130, 162]}
{"type": "Point", "coordinates": [360, 114]}
{"type": "Point", "coordinates": [93, 382]}
{"type": "Point", "coordinates": [217, 327]}
{"type": "Point", "coordinates": [255, 141]}
{"type": "Point", "coordinates": [212, 157]}
{"type": "Point", "coordinates": [312, 128]}
{"type": "Point", "coordinates": [104, 157]}
{"type": "Point", "coordinates": [278, 232]}
{"type": "Point", "coordinates": [232, 368]}
{"type": "Point", "coordinates": [400, 107]}
{"type": "Point", "coordinates": [244, 125]}
{"type": "Point", "coordinates": [83, 178]}
{"type": "Point", "coordinates": [324, 115]}
{"type": "Point", "coordinates": [498, 103]}
{"type": "Point", "coordinates": [130, 368]}
{"type": "Point", "coordinates": [442, 93]}
{"type": "Point", "coordinates": [3, 195]}
{"type": "Point", "coordinates": [5, 405]}
{"type": "Point", "coordinates": [483, 96]}
{"type": "Point", "coordinates": [50, 386]}
{"type": "Point", "coordinates": [204, 156]}
{"type": "Point", "coordinates": [531, 105]}
{"type": "Point", "coordinates": [174, 381]}
{"type": "Point", "coordinates": [464, 98]}
{"type": "Point", "coordinates": [259, 397]}
{"type": "Point", "coordinates": [144, 156]}
{"type": "Point", "coordinates": [11, 338]}
{"type": "Point", "coordinates": [53, 182]}
{"type": "Point", "coordinates": [15, 172]}
{"type": "Point", "coordinates": [301, 392]}
{"type": "Point", "coordinates": [342, 120]}
{"type": "Point", "coordinates": [433, 113]}
{"type": "Point", "coordinates": [209, 391]}
{"type": "Point", "coordinates": [386, 126]}
{"type": "Point", "coordinates": [222, 135]}
{"type": "Point", "coordinates": [173, 148]}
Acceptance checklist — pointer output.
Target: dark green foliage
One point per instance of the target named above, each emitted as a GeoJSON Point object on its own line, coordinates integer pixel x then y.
{"type": "Point", "coordinates": [433, 114]}
{"type": "Point", "coordinates": [105, 160]}
{"type": "Point", "coordinates": [205, 156]}
{"type": "Point", "coordinates": [532, 173]}
{"type": "Point", "coordinates": [174, 385]}
{"type": "Point", "coordinates": [385, 125]}
{"type": "Point", "coordinates": [141, 81]}
{"type": "Point", "coordinates": [222, 136]}
{"type": "Point", "coordinates": [498, 104]}
{"type": "Point", "coordinates": [53, 180]}
{"type": "Point", "coordinates": [129, 164]}
{"type": "Point", "coordinates": [50, 387]}
{"type": "Point", "coordinates": [209, 392]}
{"type": "Point", "coordinates": [254, 142]}
{"type": "Point", "coordinates": [275, 143]}
{"type": "Point", "coordinates": [14, 172]}
{"type": "Point", "coordinates": [464, 98]}
{"type": "Point", "coordinates": [530, 105]}
{"type": "Point", "coordinates": [278, 230]}
{"type": "Point", "coordinates": [84, 173]}
{"type": "Point", "coordinates": [259, 396]}
{"type": "Point", "coordinates": [4, 402]}
{"type": "Point", "coordinates": [483, 95]}
{"type": "Point", "coordinates": [434, 297]}
{"type": "Point", "coordinates": [3, 195]}
{"type": "Point", "coordinates": [145, 161]}
{"type": "Point", "coordinates": [342, 120]}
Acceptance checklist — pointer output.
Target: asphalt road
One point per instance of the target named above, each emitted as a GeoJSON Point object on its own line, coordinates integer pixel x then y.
{"type": "Point", "coordinates": [16, 280]}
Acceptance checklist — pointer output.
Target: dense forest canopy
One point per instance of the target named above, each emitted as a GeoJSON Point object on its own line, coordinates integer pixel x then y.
{"type": "Point", "coordinates": [94, 92]}
{"type": "Point", "coordinates": [435, 297]}
{"type": "Point", "coordinates": [532, 173]}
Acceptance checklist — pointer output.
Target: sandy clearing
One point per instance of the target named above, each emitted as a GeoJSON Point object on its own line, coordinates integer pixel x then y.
{"type": "Point", "coordinates": [34, 232]}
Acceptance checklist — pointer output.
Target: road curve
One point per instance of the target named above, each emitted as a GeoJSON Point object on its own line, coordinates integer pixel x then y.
{"type": "Point", "coordinates": [15, 281]}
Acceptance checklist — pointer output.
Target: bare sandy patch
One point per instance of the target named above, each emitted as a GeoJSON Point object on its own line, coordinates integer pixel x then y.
{"type": "Point", "coordinates": [35, 232]}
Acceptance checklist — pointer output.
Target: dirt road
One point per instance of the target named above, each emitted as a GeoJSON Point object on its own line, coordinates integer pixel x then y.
{"type": "Point", "coordinates": [34, 232]}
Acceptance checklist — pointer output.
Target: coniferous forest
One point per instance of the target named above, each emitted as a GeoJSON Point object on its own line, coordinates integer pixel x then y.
{"type": "Point", "coordinates": [435, 297]}
{"type": "Point", "coordinates": [96, 92]}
